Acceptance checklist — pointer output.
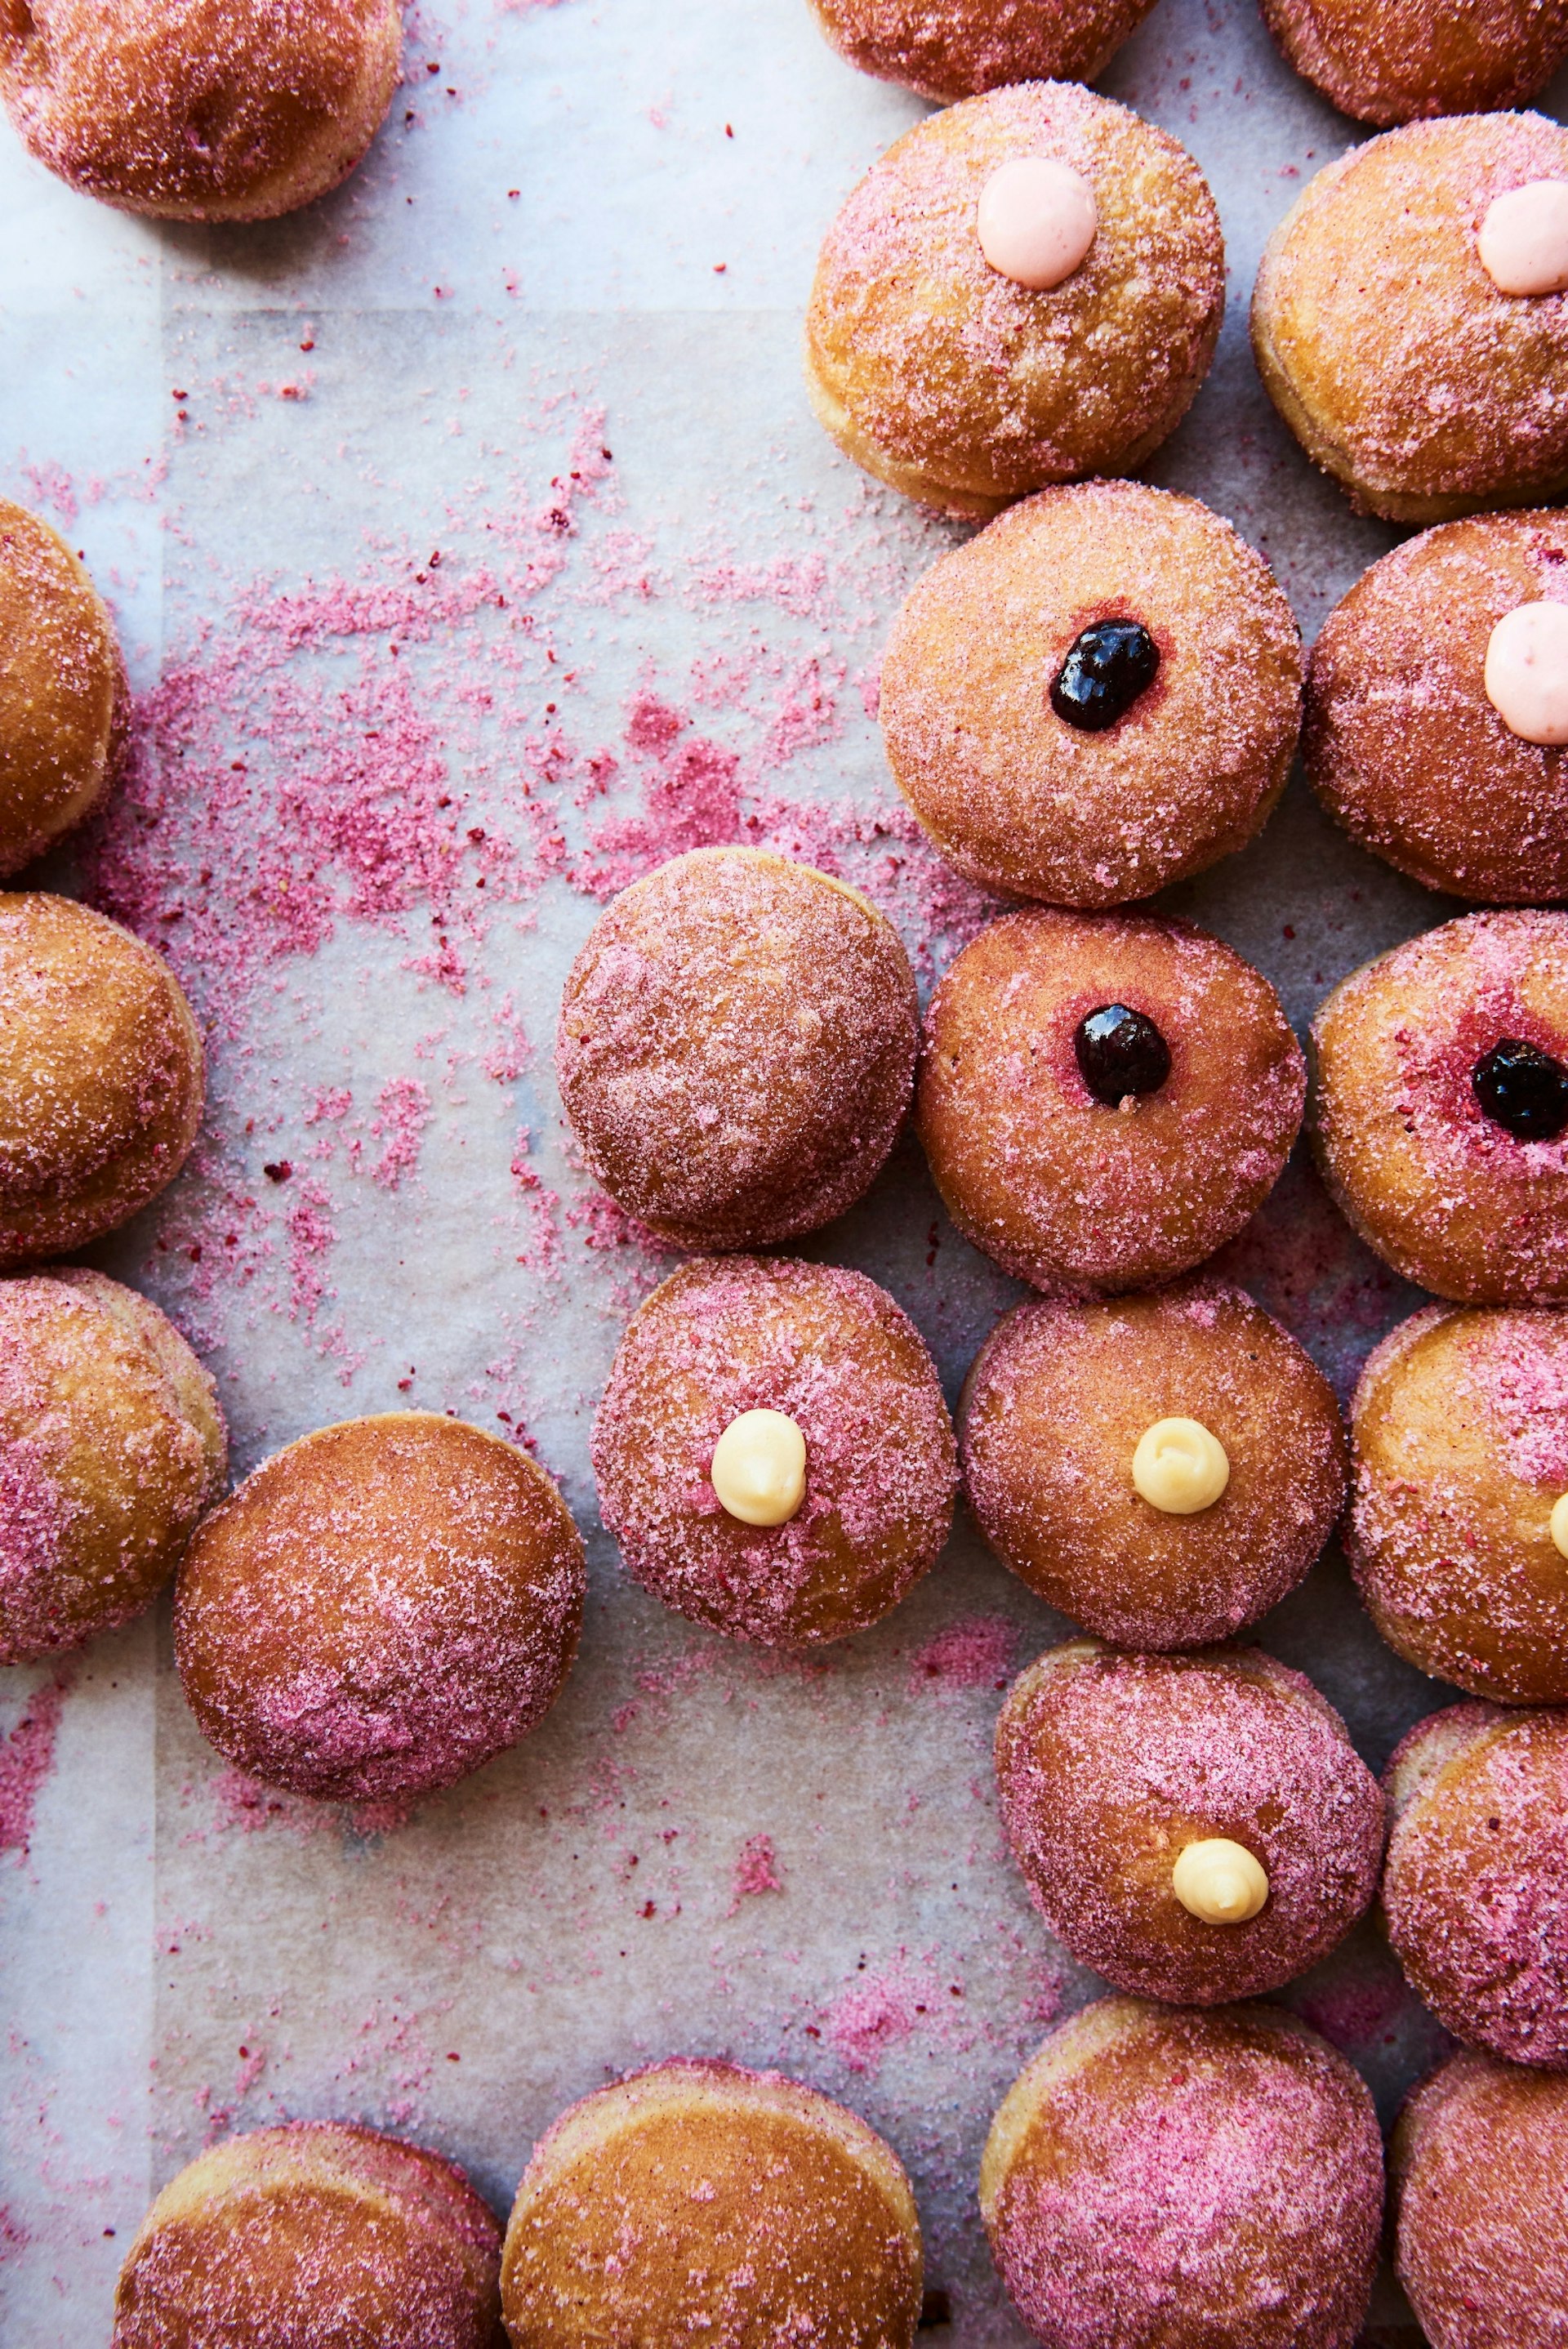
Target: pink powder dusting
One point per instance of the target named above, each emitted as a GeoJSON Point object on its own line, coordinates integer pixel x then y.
{"type": "Point", "coordinates": [976, 1652]}
{"type": "Point", "coordinates": [403, 1111]}
{"type": "Point", "coordinates": [25, 1760]}
{"type": "Point", "coordinates": [879, 2011]}
{"type": "Point", "coordinates": [756, 1871]}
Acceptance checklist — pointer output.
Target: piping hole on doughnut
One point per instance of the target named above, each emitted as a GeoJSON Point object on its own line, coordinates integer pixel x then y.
{"type": "Point", "coordinates": [935, 2311]}
{"type": "Point", "coordinates": [205, 124]}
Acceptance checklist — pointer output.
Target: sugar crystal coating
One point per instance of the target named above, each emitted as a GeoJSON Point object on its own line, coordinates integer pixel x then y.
{"type": "Point", "coordinates": [955, 49]}
{"type": "Point", "coordinates": [1399, 60]}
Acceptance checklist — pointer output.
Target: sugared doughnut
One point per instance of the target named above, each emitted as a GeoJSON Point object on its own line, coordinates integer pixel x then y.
{"type": "Point", "coordinates": [111, 1444]}
{"type": "Point", "coordinates": [773, 1452]}
{"type": "Point", "coordinates": [1162, 1469]}
{"type": "Point", "coordinates": [735, 1049]}
{"type": "Point", "coordinates": [1105, 1099]}
{"type": "Point", "coordinates": [200, 109]}
{"type": "Point", "coordinates": [1156, 2179]}
{"type": "Point", "coordinates": [1399, 60]}
{"type": "Point", "coordinates": [379, 1607]}
{"type": "Point", "coordinates": [101, 1082]}
{"type": "Point", "coordinates": [1458, 1534]}
{"type": "Point", "coordinates": [1099, 695]}
{"type": "Point", "coordinates": [1195, 1827]}
{"type": "Point", "coordinates": [1440, 1107]}
{"type": "Point", "coordinates": [1478, 2178]}
{"type": "Point", "coordinates": [1475, 1891]}
{"type": "Point", "coordinates": [1426, 381]}
{"type": "Point", "coordinates": [700, 2202]}
{"type": "Point", "coordinates": [1437, 701]}
{"type": "Point", "coordinates": [979, 327]}
{"type": "Point", "coordinates": [960, 48]}
{"type": "Point", "coordinates": [62, 690]}
{"type": "Point", "coordinates": [315, 2236]}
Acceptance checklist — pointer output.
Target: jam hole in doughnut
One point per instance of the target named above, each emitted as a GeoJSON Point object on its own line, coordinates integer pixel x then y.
{"type": "Point", "coordinates": [1523, 1090]}
{"type": "Point", "coordinates": [1110, 664]}
{"type": "Point", "coordinates": [1120, 1051]}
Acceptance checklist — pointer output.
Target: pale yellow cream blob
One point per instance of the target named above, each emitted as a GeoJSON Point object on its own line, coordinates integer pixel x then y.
{"type": "Point", "coordinates": [1560, 1523]}
{"type": "Point", "coordinates": [1219, 1881]}
{"type": "Point", "coordinates": [1179, 1467]}
{"type": "Point", "coordinates": [759, 1468]}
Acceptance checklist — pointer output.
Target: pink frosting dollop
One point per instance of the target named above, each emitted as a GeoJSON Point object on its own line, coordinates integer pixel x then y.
{"type": "Point", "coordinates": [1523, 240]}
{"type": "Point", "coordinates": [1036, 221]}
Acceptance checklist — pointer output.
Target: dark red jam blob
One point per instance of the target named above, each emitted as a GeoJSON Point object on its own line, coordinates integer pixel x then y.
{"type": "Point", "coordinates": [1120, 1052]}
{"type": "Point", "coordinates": [1110, 665]}
{"type": "Point", "coordinates": [1523, 1090]}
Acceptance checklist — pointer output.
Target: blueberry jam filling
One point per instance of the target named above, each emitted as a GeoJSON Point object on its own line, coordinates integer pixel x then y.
{"type": "Point", "coordinates": [1112, 662]}
{"type": "Point", "coordinates": [1120, 1052]}
{"type": "Point", "coordinates": [1523, 1090]}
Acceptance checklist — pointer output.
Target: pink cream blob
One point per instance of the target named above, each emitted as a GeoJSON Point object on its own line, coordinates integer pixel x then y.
{"type": "Point", "coordinates": [1523, 240]}
{"type": "Point", "coordinates": [1036, 221]}
{"type": "Point", "coordinates": [1527, 671]}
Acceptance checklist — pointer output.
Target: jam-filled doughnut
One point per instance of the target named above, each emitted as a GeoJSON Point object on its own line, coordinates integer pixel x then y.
{"type": "Point", "coordinates": [1437, 707]}
{"type": "Point", "coordinates": [1401, 60]}
{"type": "Point", "coordinates": [379, 1607]}
{"type": "Point", "coordinates": [1026, 289]}
{"type": "Point", "coordinates": [1440, 1107]}
{"type": "Point", "coordinates": [62, 690]}
{"type": "Point", "coordinates": [1475, 1891]}
{"type": "Point", "coordinates": [736, 1048]}
{"type": "Point", "coordinates": [1163, 1468]}
{"type": "Point", "coordinates": [1478, 2173]}
{"type": "Point", "coordinates": [1458, 1532]}
{"type": "Point", "coordinates": [1105, 1099]}
{"type": "Point", "coordinates": [1195, 1827]}
{"type": "Point", "coordinates": [1409, 321]}
{"type": "Point", "coordinates": [965, 46]}
{"type": "Point", "coordinates": [102, 1077]}
{"type": "Point", "coordinates": [699, 2201]}
{"type": "Point", "coordinates": [1161, 2180]}
{"type": "Point", "coordinates": [316, 2233]}
{"type": "Point", "coordinates": [773, 1452]}
{"type": "Point", "coordinates": [200, 109]}
{"type": "Point", "coordinates": [1096, 695]}
{"type": "Point", "coordinates": [111, 1446]}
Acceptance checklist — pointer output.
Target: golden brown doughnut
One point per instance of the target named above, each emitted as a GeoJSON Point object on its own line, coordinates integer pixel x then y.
{"type": "Point", "coordinates": [319, 2235]}
{"type": "Point", "coordinates": [62, 690]}
{"type": "Point", "coordinates": [1159, 2180]}
{"type": "Point", "coordinates": [380, 1608]}
{"type": "Point", "coordinates": [698, 2201]}
{"type": "Point", "coordinates": [1387, 61]}
{"type": "Point", "coordinates": [111, 1444]}
{"type": "Point", "coordinates": [1401, 367]}
{"type": "Point", "coordinates": [101, 1081]}
{"type": "Point", "coordinates": [955, 49]}
{"type": "Point", "coordinates": [200, 109]}
{"type": "Point", "coordinates": [963, 387]}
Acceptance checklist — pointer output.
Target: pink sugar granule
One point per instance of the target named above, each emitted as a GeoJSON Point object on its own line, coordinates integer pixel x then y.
{"type": "Point", "coordinates": [878, 2010]}
{"type": "Point", "coordinates": [976, 1652]}
{"type": "Point", "coordinates": [403, 1111]}
{"type": "Point", "coordinates": [25, 1760]}
{"type": "Point", "coordinates": [756, 1871]}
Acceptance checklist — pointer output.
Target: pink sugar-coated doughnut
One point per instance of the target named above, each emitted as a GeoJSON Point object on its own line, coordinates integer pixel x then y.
{"type": "Point", "coordinates": [947, 50]}
{"type": "Point", "coordinates": [829, 1349]}
{"type": "Point", "coordinates": [1386, 61]}
{"type": "Point", "coordinates": [1164, 2179]}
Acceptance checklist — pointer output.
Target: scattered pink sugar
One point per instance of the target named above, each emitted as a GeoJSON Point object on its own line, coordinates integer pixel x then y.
{"type": "Point", "coordinates": [25, 1760]}
{"type": "Point", "coordinates": [756, 1871]}
{"type": "Point", "coordinates": [14, 2236]}
{"type": "Point", "coordinates": [879, 2011]}
{"type": "Point", "coordinates": [312, 1237]}
{"type": "Point", "coordinates": [976, 1652]}
{"type": "Point", "coordinates": [403, 1111]}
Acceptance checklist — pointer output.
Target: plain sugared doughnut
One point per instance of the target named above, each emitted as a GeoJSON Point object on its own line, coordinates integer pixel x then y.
{"type": "Point", "coordinates": [1097, 696]}
{"type": "Point", "coordinates": [947, 50]}
{"type": "Point", "coordinates": [101, 1082]}
{"type": "Point", "coordinates": [1112, 1766]}
{"type": "Point", "coordinates": [963, 385]}
{"type": "Point", "coordinates": [111, 1444]}
{"type": "Point", "coordinates": [1399, 363]}
{"type": "Point", "coordinates": [773, 1452]}
{"type": "Point", "coordinates": [1475, 1891]}
{"type": "Point", "coordinates": [1105, 1099]}
{"type": "Point", "coordinates": [1440, 1107]}
{"type": "Point", "coordinates": [1478, 2172]}
{"type": "Point", "coordinates": [1387, 61]}
{"type": "Point", "coordinates": [1064, 1400]}
{"type": "Point", "coordinates": [379, 1607]}
{"type": "Point", "coordinates": [1458, 1532]}
{"type": "Point", "coordinates": [736, 1047]}
{"type": "Point", "coordinates": [1161, 2180]}
{"type": "Point", "coordinates": [200, 109]}
{"type": "Point", "coordinates": [319, 2235]}
{"type": "Point", "coordinates": [62, 690]}
{"type": "Point", "coordinates": [697, 2201]}
{"type": "Point", "coordinates": [1421, 739]}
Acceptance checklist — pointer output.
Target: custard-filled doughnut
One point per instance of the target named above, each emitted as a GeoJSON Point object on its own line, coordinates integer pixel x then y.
{"type": "Point", "coordinates": [736, 1047]}
{"type": "Point", "coordinates": [1156, 2179]}
{"type": "Point", "coordinates": [1458, 1534]}
{"type": "Point", "coordinates": [1027, 288]}
{"type": "Point", "coordinates": [1409, 322]}
{"type": "Point", "coordinates": [379, 1607]}
{"type": "Point", "coordinates": [963, 46]}
{"type": "Point", "coordinates": [1105, 1099]}
{"type": "Point", "coordinates": [200, 109]}
{"type": "Point", "coordinates": [62, 690]}
{"type": "Point", "coordinates": [773, 1452]}
{"type": "Point", "coordinates": [1440, 1107]}
{"type": "Point", "coordinates": [1436, 704]}
{"type": "Point", "coordinates": [1163, 1468]}
{"type": "Point", "coordinates": [102, 1078]}
{"type": "Point", "coordinates": [1478, 2176]}
{"type": "Point", "coordinates": [1099, 695]}
{"type": "Point", "coordinates": [1475, 1891]}
{"type": "Point", "coordinates": [315, 2236]}
{"type": "Point", "coordinates": [698, 2201]}
{"type": "Point", "coordinates": [111, 1446]}
{"type": "Point", "coordinates": [1195, 1827]}
{"type": "Point", "coordinates": [1402, 59]}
